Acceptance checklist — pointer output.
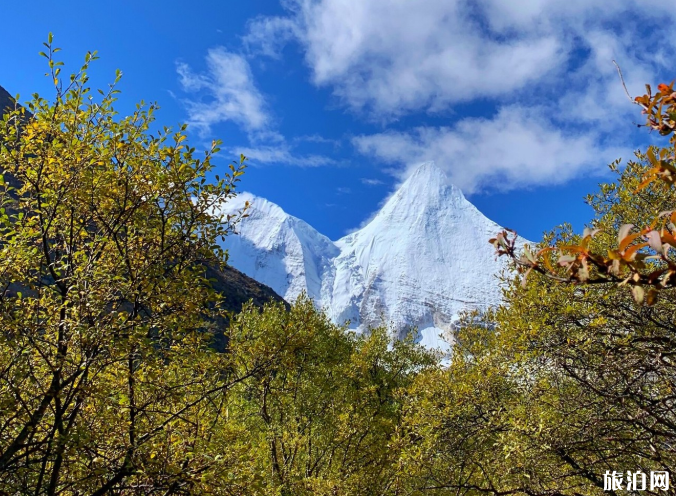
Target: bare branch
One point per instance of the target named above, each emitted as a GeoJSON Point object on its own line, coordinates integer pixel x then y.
{"type": "Point", "coordinates": [619, 72]}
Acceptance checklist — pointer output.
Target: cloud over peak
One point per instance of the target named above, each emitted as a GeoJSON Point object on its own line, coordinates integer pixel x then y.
{"type": "Point", "coordinates": [516, 148]}
{"type": "Point", "coordinates": [539, 74]}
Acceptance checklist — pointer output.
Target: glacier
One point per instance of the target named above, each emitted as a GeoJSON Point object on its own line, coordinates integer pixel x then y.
{"type": "Point", "coordinates": [417, 264]}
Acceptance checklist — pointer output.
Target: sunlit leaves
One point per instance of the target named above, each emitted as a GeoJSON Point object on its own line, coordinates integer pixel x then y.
{"type": "Point", "coordinates": [107, 319]}
{"type": "Point", "coordinates": [108, 382]}
{"type": "Point", "coordinates": [323, 418]}
{"type": "Point", "coordinates": [574, 373]}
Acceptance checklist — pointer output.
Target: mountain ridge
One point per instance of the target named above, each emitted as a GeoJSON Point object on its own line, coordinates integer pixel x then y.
{"type": "Point", "coordinates": [6, 100]}
{"type": "Point", "coordinates": [421, 260]}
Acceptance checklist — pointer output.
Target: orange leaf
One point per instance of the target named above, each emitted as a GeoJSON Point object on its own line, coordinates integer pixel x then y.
{"type": "Point", "coordinates": [574, 249]}
{"type": "Point", "coordinates": [669, 239]}
{"type": "Point", "coordinates": [545, 259]}
{"type": "Point", "coordinates": [626, 241]}
{"type": "Point", "coordinates": [631, 251]}
{"type": "Point", "coordinates": [614, 255]}
{"type": "Point", "coordinates": [645, 183]}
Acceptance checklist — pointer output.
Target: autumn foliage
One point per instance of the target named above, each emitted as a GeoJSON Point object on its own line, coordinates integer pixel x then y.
{"type": "Point", "coordinates": [109, 380]}
{"type": "Point", "coordinates": [643, 257]}
{"type": "Point", "coordinates": [110, 383]}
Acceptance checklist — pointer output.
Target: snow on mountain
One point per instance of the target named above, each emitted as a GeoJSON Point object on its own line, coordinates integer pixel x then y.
{"type": "Point", "coordinates": [418, 263]}
{"type": "Point", "coordinates": [279, 250]}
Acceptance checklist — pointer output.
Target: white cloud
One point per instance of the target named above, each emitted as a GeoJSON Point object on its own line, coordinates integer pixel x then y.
{"type": "Point", "coordinates": [394, 57]}
{"type": "Point", "coordinates": [268, 35]}
{"type": "Point", "coordinates": [546, 65]}
{"type": "Point", "coordinates": [558, 15]}
{"type": "Point", "coordinates": [593, 94]}
{"type": "Point", "coordinates": [371, 182]}
{"type": "Point", "coordinates": [315, 138]}
{"type": "Point", "coordinates": [282, 154]}
{"type": "Point", "coordinates": [230, 91]}
{"type": "Point", "coordinates": [517, 148]}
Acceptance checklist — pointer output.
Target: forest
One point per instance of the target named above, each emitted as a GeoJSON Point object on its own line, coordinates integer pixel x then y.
{"type": "Point", "coordinates": [123, 372]}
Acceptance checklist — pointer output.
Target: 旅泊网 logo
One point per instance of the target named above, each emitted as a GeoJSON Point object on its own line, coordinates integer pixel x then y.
{"type": "Point", "coordinates": [635, 481]}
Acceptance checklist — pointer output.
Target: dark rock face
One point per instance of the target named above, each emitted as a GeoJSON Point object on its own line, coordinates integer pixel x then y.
{"type": "Point", "coordinates": [240, 288]}
{"type": "Point", "coordinates": [6, 100]}
{"type": "Point", "coordinates": [236, 287]}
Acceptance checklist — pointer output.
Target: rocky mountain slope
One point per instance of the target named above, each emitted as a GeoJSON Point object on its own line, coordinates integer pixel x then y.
{"type": "Point", "coordinates": [6, 100]}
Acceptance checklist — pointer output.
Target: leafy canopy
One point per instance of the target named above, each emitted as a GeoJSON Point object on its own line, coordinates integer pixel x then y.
{"type": "Point", "coordinates": [107, 380]}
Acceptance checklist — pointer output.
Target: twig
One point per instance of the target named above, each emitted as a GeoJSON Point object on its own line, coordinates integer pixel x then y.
{"type": "Point", "coordinates": [619, 71]}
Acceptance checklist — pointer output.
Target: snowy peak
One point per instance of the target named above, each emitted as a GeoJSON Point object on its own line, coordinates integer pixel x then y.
{"type": "Point", "coordinates": [426, 202]}
{"type": "Point", "coordinates": [428, 181]}
{"type": "Point", "coordinates": [426, 191]}
{"type": "Point", "coordinates": [260, 209]}
{"type": "Point", "coordinates": [278, 249]}
{"type": "Point", "coordinates": [422, 259]}
{"type": "Point", "coordinates": [427, 175]}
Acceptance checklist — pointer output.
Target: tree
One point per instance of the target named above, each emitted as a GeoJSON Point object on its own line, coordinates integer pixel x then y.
{"type": "Point", "coordinates": [108, 384]}
{"type": "Point", "coordinates": [574, 376]}
{"type": "Point", "coordinates": [323, 418]}
{"type": "Point", "coordinates": [109, 380]}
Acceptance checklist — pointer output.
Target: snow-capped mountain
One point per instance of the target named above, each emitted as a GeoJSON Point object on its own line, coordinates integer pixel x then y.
{"type": "Point", "coordinates": [420, 261]}
{"type": "Point", "coordinates": [279, 250]}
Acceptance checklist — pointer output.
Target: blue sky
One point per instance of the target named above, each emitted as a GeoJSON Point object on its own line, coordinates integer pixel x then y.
{"type": "Point", "coordinates": [335, 100]}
